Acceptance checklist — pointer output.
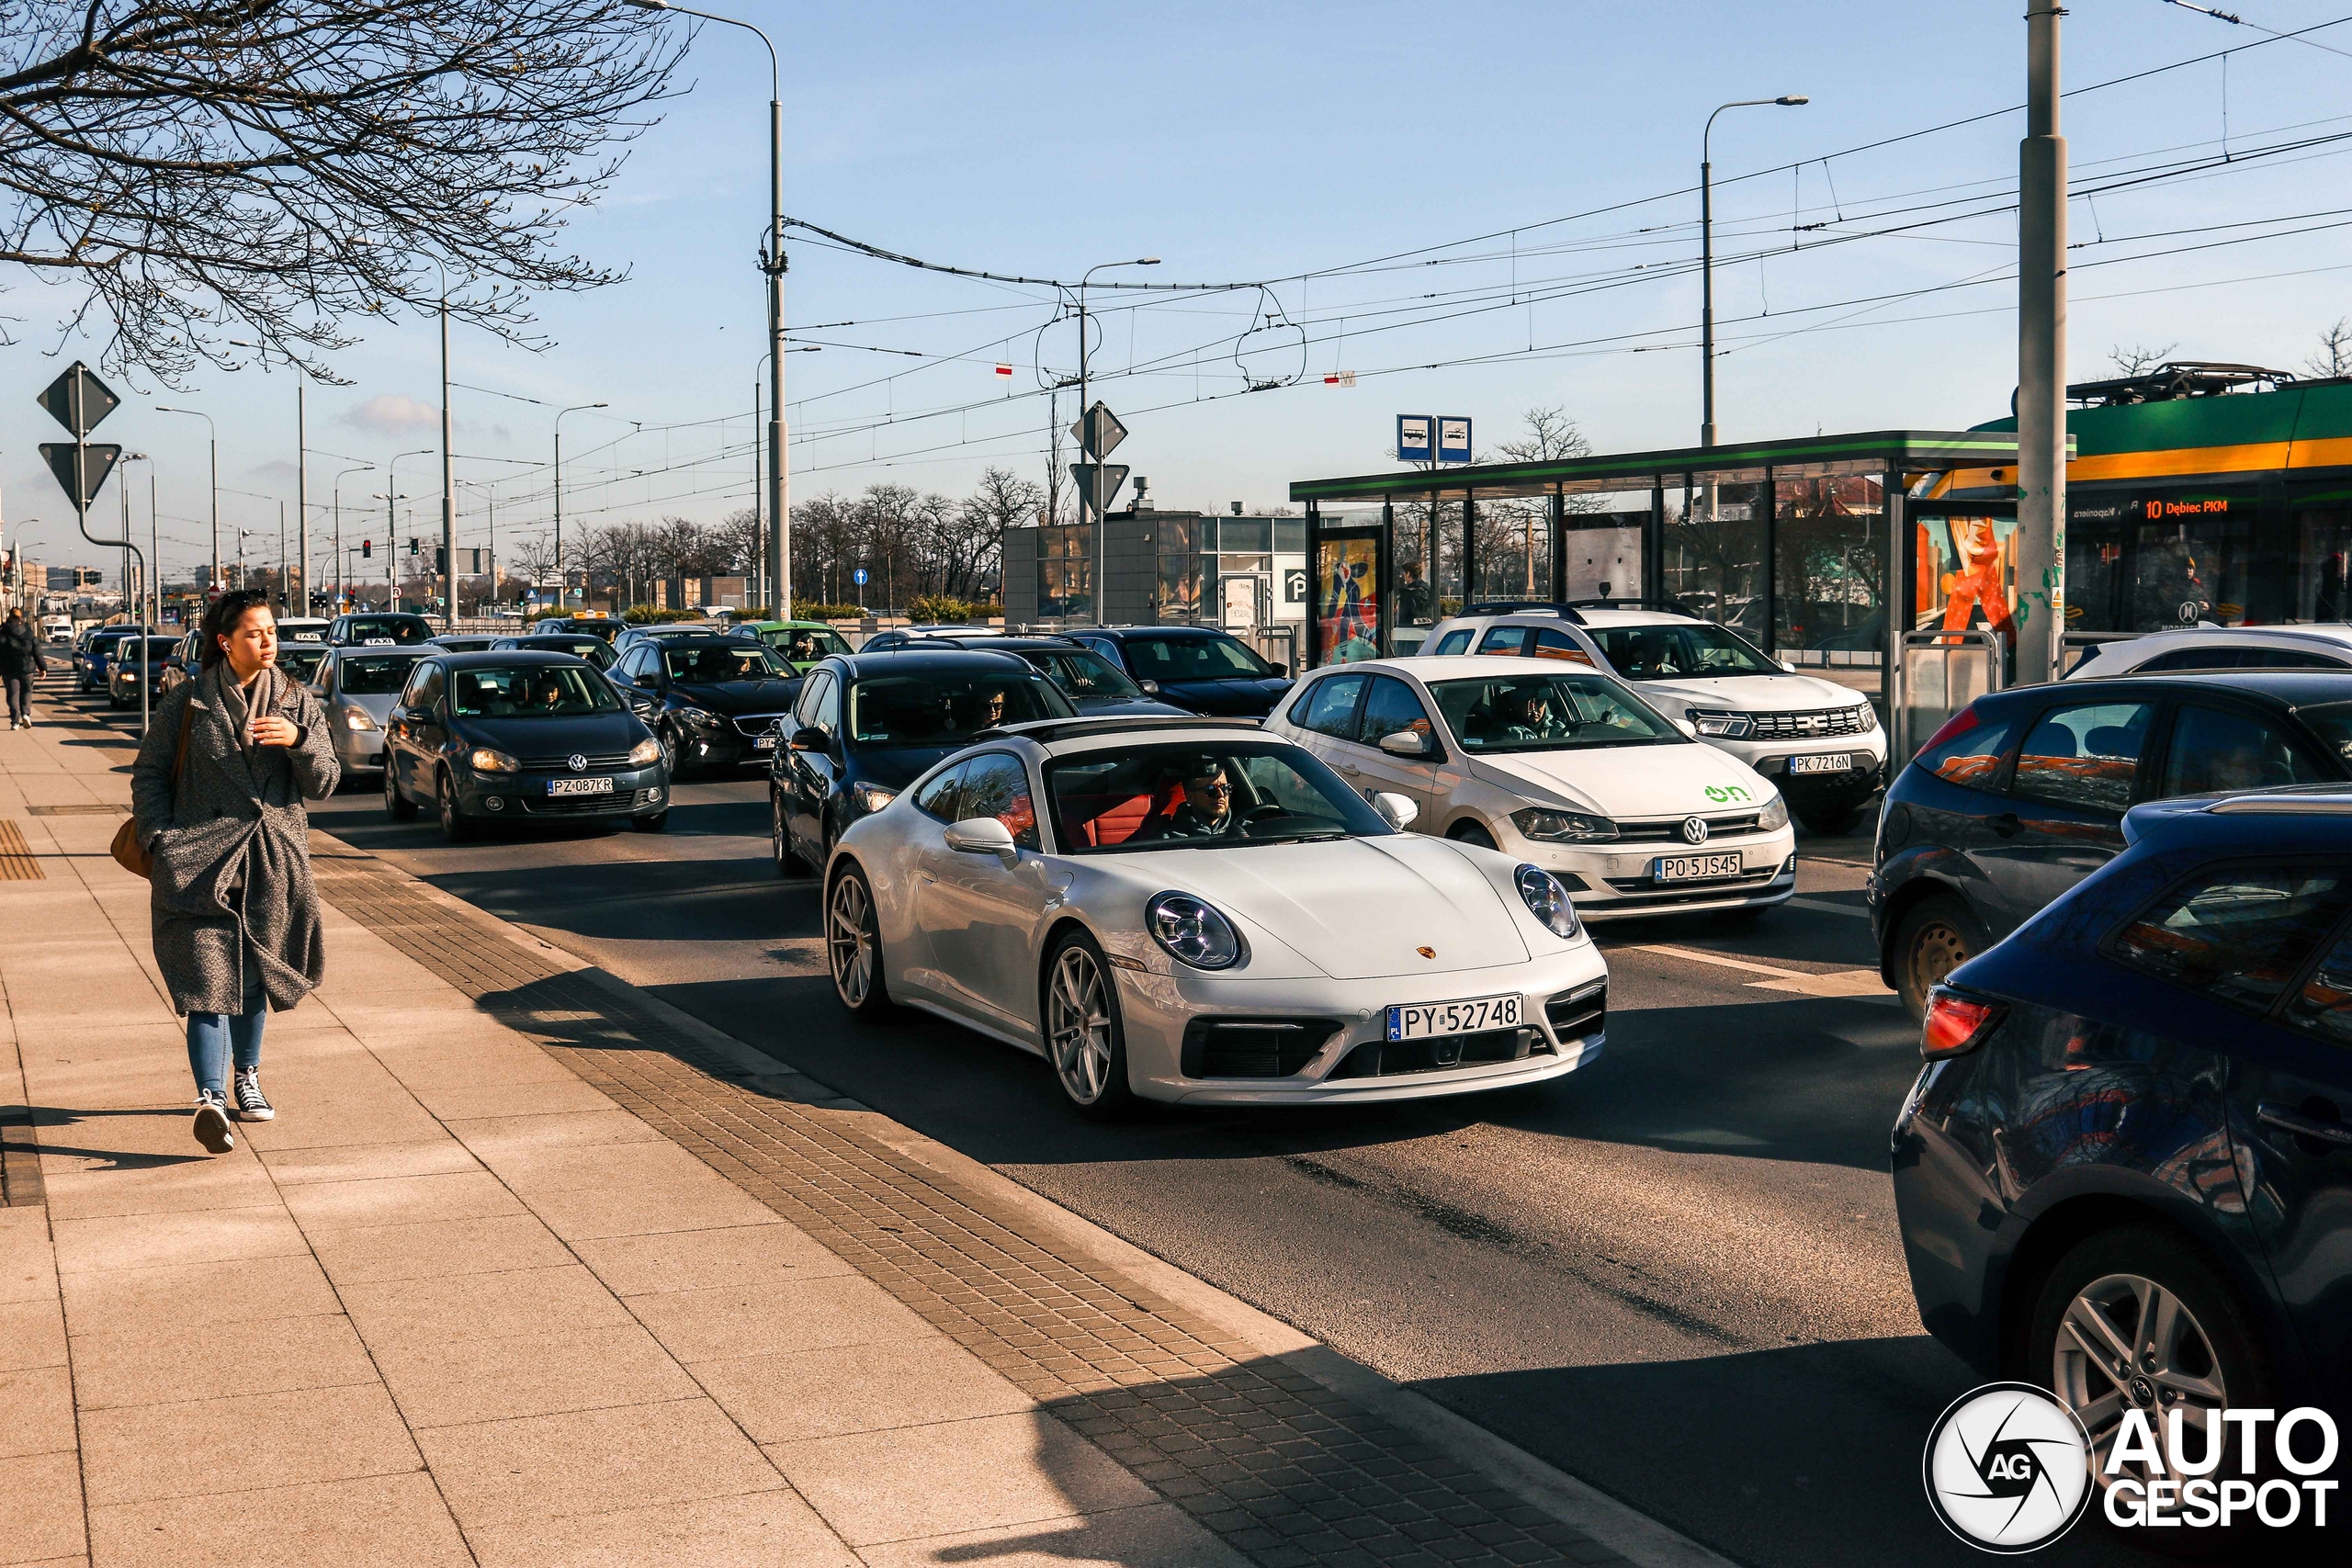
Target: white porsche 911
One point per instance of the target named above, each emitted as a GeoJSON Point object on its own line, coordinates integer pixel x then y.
{"type": "Point", "coordinates": [1194, 910]}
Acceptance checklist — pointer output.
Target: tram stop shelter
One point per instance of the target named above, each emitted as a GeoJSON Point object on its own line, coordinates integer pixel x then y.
{"type": "Point", "coordinates": [1802, 545]}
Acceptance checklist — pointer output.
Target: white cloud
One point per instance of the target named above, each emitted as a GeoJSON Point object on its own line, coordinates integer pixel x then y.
{"type": "Point", "coordinates": [389, 414]}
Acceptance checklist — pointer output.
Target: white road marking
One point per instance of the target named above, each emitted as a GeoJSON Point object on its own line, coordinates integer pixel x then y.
{"type": "Point", "coordinates": [1836, 982]}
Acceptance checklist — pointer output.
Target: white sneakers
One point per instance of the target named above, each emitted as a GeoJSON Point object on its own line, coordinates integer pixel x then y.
{"type": "Point", "coordinates": [212, 1123]}
{"type": "Point", "coordinates": [251, 1106]}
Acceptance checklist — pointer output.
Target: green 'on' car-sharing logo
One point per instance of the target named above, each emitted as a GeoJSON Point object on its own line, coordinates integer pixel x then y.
{"type": "Point", "coordinates": [1723, 794]}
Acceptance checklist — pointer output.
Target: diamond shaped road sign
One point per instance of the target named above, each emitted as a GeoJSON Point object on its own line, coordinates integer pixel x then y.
{"type": "Point", "coordinates": [1099, 431]}
{"type": "Point", "coordinates": [81, 469]}
{"type": "Point", "coordinates": [1098, 482]}
{"type": "Point", "coordinates": [78, 399]}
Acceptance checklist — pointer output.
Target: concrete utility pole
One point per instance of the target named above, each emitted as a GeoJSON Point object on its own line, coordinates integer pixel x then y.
{"type": "Point", "coordinates": [301, 606]}
{"type": "Point", "coordinates": [1091, 499]}
{"type": "Point", "coordinates": [448, 490]}
{"type": "Point", "coordinates": [2042, 360]}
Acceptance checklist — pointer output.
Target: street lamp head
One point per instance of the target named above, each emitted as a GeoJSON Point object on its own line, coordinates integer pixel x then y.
{"type": "Point", "coordinates": [1148, 261]}
{"type": "Point", "coordinates": [649, 4]}
{"type": "Point", "coordinates": [1793, 99]}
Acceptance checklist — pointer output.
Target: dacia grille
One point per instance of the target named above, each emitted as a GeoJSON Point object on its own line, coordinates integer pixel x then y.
{"type": "Point", "coordinates": [1812, 725]}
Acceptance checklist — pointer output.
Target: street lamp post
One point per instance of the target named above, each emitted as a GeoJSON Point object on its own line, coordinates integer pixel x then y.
{"type": "Point", "coordinates": [214, 585]}
{"type": "Point", "coordinates": [489, 505]}
{"type": "Point", "coordinates": [1707, 261]}
{"type": "Point", "coordinates": [343, 567]}
{"type": "Point", "coordinates": [772, 263]}
{"type": "Point", "coordinates": [575, 408]}
{"type": "Point", "coordinates": [392, 524]}
{"type": "Point", "coordinates": [1096, 501]}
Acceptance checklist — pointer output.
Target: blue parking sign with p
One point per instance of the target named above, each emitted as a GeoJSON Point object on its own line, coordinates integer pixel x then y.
{"type": "Point", "coordinates": [1416, 438]}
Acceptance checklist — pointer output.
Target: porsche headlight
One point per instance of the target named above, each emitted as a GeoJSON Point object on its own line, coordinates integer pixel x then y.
{"type": "Point", "coordinates": [871, 799]}
{"type": "Point", "coordinates": [645, 752]}
{"type": "Point", "coordinates": [1549, 827]}
{"type": "Point", "coordinates": [1721, 724]}
{"type": "Point", "coordinates": [1774, 816]}
{"type": "Point", "coordinates": [1547, 900]}
{"type": "Point", "coordinates": [486, 761]}
{"type": "Point", "coordinates": [1192, 932]}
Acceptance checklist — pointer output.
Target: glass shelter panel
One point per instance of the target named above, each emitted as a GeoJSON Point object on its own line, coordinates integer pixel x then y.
{"type": "Point", "coordinates": [2322, 587]}
{"type": "Point", "coordinates": [1347, 597]}
{"type": "Point", "coordinates": [1714, 554]}
{"type": "Point", "coordinates": [1829, 576]}
{"type": "Point", "coordinates": [1604, 544]}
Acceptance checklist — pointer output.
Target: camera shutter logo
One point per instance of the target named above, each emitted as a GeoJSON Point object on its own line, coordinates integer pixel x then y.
{"type": "Point", "coordinates": [2008, 1468]}
{"type": "Point", "coordinates": [1695, 829]}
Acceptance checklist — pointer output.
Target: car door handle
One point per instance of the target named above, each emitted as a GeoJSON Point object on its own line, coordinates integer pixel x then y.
{"type": "Point", "coordinates": [2007, 825]}
{"type": "Point", "coordinates": [2291, 1121]}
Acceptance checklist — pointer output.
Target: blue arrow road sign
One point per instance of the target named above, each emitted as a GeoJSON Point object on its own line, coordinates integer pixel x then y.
{"type": "Point", "coordinates": [858, 577]}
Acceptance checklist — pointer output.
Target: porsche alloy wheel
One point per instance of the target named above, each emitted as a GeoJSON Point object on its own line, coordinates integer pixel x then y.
{"type": "Point", "coordinates": [1082, 1034]}
{"type": "Point", "coordinates": [854, 947]}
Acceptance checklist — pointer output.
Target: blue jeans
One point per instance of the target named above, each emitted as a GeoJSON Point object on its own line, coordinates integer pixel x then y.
{"type": "Point", "coordinates": [213, 1036]}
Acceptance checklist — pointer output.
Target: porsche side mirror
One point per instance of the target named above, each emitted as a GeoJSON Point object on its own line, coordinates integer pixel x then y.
{"type": "Point", "coordinates": [1406, 743]}
{"type": "Point", "coordinates": [982, 836]}
{"type": "Point", "coordinates": [1397, 810]}
{"type": "Point", "coordinates": [1787, 667]}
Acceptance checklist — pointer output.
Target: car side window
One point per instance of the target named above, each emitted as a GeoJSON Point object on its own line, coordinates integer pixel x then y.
{"type": "Point", "coordinates": [2288, 659]}
{"type": "Point", "coordinates": [2323, 1007]}
{"type": "Point", "coordinates": [942, 797]}
{"type": "Point", "coordinates": [1552, 644]}
{"type": "Point", "coordinates": [2085, 754]}
{"type": "Point", "coordinates": [1329, 707]}
{"type": "Point", "coordinates": [429, 695]}
{"type": "Point", "coordinates": [1971, 758]}
{"type": "Point", "coordinates": [1454, 641]}
{"type": "Point", "coordinates": [805, 711]}
{"type": "Point", "coordinates": [2215, 748]}
{"type": "Point", "coordinates": [2239, 933]}
{"type": "Point", "coordinates": [828, 711]}
{"type": "Point", "coordinates": [2193, 659]}
{"type": "Point", "coordinates": [997, 785]}
{"type": "Point", "coordinates": [412, 694]}
{"type": "Point", "coordinates": [1504, 639]}
{"type": "Point", "coordinates": [1389, 707]}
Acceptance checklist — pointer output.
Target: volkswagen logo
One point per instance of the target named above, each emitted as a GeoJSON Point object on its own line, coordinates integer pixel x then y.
{"type": "Point", "coordinates": [579, 764]}
{"type": "Point", "coordinates": [1695, 829]}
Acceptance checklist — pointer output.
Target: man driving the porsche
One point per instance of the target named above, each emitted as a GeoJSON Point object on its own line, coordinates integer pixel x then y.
{"type": "Point", "coordinates": [1207, 808]}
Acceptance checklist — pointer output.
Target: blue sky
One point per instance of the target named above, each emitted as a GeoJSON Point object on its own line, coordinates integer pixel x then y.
{"type": "Point", "coordinates": [1296, 142]}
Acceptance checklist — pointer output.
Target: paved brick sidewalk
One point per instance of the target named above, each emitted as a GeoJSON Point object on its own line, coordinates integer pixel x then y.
{"type": "Point", "coordinates": [531, 1270]}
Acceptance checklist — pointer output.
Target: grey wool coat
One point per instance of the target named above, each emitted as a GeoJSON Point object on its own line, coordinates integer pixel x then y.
{"type": "Point", "coordinates": [231, 883]}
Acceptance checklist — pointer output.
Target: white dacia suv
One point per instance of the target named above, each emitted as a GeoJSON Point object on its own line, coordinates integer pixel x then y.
{"type": "Point", "coordinates": [1820, 743]}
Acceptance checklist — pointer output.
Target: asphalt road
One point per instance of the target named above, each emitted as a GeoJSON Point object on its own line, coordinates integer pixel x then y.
{"type": "Point", "coordinates": [1674, 1274]}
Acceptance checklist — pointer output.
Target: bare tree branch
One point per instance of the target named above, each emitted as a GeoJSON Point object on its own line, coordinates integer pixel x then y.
{"type": "Point", "coordinates": [201, 167]}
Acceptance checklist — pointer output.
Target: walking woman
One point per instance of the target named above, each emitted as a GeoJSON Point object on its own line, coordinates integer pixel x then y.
{"type": "Point", "coordinates": [217, 793]}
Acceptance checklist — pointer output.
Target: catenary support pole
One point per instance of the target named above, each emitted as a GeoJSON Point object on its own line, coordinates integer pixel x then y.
{"type": "Point", "coordinates": [2040, 613]}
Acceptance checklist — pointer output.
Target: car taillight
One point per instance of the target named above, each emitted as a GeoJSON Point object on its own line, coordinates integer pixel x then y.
{"type": "Point", "coordinates": [1959, 722]}
{"type": "Point", "coordinates": [1956, 1024]}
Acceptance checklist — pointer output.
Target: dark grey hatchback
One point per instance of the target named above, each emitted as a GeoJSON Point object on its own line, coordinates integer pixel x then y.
{"type": "Point", "coordinates": [2022, 795]}
{"type": "Point", "coordinates": [514, 736]}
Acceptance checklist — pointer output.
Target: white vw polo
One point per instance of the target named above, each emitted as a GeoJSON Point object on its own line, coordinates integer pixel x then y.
{"type": "Point", "coordinates": [1195, 910]}
{"type": "Point", "coordinates": [1558, 765]}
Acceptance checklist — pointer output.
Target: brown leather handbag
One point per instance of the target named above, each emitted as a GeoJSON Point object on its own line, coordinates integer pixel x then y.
{"type": "Point", "coordinates": [130, 847]}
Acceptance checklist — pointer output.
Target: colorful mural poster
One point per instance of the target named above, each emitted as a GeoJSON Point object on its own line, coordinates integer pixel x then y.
{"type": "Point", "coordinates": [1347, 599]}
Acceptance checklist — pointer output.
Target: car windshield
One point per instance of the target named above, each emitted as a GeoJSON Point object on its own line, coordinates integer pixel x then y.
{"type": "Point", "coordinates": [544, 690]}
{"type": "Point", "coordinates": [1082, 675]}
{"type": "Point", "coordinates": [588, 647]}
{"type": "Point", "coordinates": [1548, 712]}
{"type": "Point", "coordinates": [302, 663]}
{"type": "Point", "coordinates": [1194, 659]}
{"type": "Point", "coordinates": [373, 674]}
{"type": "Point", "coordinates": [944, 709]}
{"type": "Point", "coordinates": [127, 650]}
{"type": "Point", "coordinates": [1679, 651]}
{"type": "Point", "coordinates": [362, 630]}
{"type": "Point", "coordinates": [711, 662]}
{"type": "Point", "coordinates": [804, 645]}
{"type": "Point", "coordinates": [1196, 796]}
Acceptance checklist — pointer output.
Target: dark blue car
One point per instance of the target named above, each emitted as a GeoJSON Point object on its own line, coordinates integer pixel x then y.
{"type": "Point", "coordinates": [90, 665]}
{"type": "Point", "coordinates": [2125, 1172]}
{"type": "Point", "coordinates": [868, 724]}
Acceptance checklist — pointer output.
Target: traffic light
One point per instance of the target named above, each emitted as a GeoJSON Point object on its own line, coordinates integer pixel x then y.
{"type": "Point", "coordinates": [412, 545]}
{"type": "Point", "coordinates": [367, 549]}
{"type": "Point", "coordinates": [440, 560]}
